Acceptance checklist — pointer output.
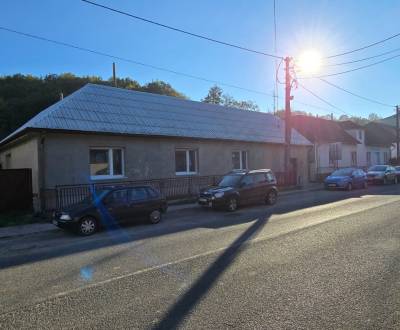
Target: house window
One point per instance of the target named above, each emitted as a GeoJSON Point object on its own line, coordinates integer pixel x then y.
{"type": "Point", "coordinates": [106, 163]}
{"type": "Point", "coordinates": [368, 158]}
{"type": "Point", "coordinates": [360, 135]}
{"type": "Point", "coordinates": [239, 160]}
{"type": "Point", "coordinates": [354, 158]}
{"type": "Point", "coordinates": [186, 161]}
{"type": "Point", "coordinates": [335, 153]}
{"type": "Point", "coordinates": [385, 157]}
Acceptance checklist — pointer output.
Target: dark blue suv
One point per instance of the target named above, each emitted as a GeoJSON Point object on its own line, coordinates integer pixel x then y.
{"type": "Point", "coordinates": [346, 178]}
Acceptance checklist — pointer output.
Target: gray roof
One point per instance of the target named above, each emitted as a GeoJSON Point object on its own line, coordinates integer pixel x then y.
{"type": "Point", "coordinates": [104, 109]}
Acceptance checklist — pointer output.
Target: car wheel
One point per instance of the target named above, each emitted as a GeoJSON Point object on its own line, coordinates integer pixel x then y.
{"type": "Point", "coordinates": [349, 187]}
{"type": "Point", "coordinates": [271, 198]}
{"type": "Point", "coordinates": [232, 204]}
{"type": "Point", "coordinates": [155, 217]}
{"type": "Point", "coordinates": [87, 226]}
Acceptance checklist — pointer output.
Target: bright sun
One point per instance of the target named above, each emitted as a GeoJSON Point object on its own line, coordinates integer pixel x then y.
{"type": "Point", "coordinates": [309, 62]}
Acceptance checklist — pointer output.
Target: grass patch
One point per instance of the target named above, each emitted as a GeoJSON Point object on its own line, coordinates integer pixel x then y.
{"type": "Point", "coordinates": [15, 218]}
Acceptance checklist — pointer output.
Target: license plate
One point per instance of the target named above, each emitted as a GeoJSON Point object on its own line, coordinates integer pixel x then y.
{"type": "Point", "coordinates": [202, 200]}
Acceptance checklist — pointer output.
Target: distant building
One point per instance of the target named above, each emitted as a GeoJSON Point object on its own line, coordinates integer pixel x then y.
{"type": "Point", "coordinates": [333, 147]}
{"type": "Point", "coordinates": [106, 134]}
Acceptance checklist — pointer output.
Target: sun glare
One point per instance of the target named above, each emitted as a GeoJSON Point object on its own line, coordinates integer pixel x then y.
{"type": "Point", "coordinates": [309, 62]}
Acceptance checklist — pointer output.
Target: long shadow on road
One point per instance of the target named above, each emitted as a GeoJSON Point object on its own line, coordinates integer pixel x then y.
{"type": "Point", "coordinates": [186, 303]}
{"type": "Point", "coordinates": [65, 244]}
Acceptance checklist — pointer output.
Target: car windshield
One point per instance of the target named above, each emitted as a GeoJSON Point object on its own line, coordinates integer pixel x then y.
{"type": "Point", "coordinates": [378, 168]}
{"type": "Point", "coordinates": [230, 180]}
{"type": "Point", "coordinates": [343, 172]}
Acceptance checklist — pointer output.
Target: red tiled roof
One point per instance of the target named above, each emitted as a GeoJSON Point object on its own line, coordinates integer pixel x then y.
{"type": "Point", "coordinates": [348, 124]}
{"type": "Point", "coordinates": [318, 130]}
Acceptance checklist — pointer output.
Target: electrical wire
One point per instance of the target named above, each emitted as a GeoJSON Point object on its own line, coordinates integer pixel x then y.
{"type": "Point", "coordinates": [321, 99]}
{"type": "Point", "coordinates": [60, 43]}
{"type": "Point", "coordinates": [356, 95]}
{"type": "Point", "coordinates": [365, 47]}
{"type": "Point", "coordinates": [363, 59]}
{"type": "Point", "coordinates": [352, 70]}
{"type": "Point", "coordinates": [182, 31]}
{"type": "Point", "coordinates": [64, 44]}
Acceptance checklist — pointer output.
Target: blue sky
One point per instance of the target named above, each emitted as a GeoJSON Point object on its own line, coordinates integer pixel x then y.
{"type": "Point", "coordinates": [329, 26]}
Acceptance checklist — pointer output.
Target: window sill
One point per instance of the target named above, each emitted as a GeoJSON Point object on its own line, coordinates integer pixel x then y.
{"type": "Point", "coordinates": [185, 173]}
{"type": "Point", "coordinates": [107, 177]}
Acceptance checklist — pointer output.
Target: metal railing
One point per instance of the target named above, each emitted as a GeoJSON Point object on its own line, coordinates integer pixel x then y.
{"type": "Point", "coordinates": [170, 188]}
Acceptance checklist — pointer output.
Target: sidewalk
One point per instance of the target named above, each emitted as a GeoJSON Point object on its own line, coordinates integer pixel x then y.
{"type": "Point", "coordinates": [23, 230]}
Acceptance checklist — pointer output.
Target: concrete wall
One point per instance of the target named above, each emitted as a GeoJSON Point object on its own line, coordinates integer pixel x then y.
{"type": "Point", "coordinates": [66, 156]}
{"type": "Point", "coordinates": [24, 154]}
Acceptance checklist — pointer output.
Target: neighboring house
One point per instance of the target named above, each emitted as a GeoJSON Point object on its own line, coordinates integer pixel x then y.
{"type": "Point", "coordinates": [106, 134]}
{"type": "Point", "coordinates": [379, 140]}
{"type": "Point", "coordinates": [332, 148]}
{"type": "Point", "coordinates": [390, 124]}
{"type": "Point", "coordinates": [359, 156]}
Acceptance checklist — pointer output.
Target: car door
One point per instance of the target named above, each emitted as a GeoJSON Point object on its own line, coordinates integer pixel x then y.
{"type": "Point", "coordinates": [116, 206]}
{"type": "Point", "coordinates": [260, 187]}
{"type": "Point", "coordinates": [247, 189]}
{"type": "Point", "coordinates": [357, 178]}
{"type": "Point", "coordinates": [139, 203]}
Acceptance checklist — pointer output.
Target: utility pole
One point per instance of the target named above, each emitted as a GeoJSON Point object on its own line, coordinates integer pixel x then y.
{"type": "Point", "coordinates": [288, 124]}
{"type": "Point", "coordinates": [397, 135]}
{"type": "Point", "coordinates": [114, 76]}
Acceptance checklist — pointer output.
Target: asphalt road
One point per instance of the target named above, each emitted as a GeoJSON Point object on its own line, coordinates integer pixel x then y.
{"type": "Point", "coordinates": [316, 260]}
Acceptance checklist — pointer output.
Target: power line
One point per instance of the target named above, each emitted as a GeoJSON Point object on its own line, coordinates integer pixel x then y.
{"type": "Point", "coordinates": [182, 31]}
{"type": "Point", "coordinates": [60, 43]}
{"type": "Point", "coordinates": [352, 70]}
{"type": "Point", "coordinates": [64, 44]}
{"type": "Point", "coordinates": [363, 59]}
{"type": "Point", "coordinates": [321, 99]}
{"type": "Point", "coordinates": [356, 95]}
{"type": "Point", "coordinates": [365, 47]}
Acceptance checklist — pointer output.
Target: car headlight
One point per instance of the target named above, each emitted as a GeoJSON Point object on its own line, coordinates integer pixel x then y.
{"type": "Point", "coordinates": [219, 194]}
{"type": "Point", "coordinates": [65, 216]}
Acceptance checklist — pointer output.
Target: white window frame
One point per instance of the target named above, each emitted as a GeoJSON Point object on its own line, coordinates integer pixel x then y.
{"type": "Point", "coordinates": [241, 160]}
{"type": "Point", "coordinates": [196, 164]}
{"type": "Point", "coordinates": [110, 164]}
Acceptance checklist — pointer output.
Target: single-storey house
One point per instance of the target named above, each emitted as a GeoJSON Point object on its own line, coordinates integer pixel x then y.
{"type": "Point", "coordinates": [380, 141]}
{"type": "Point", "coordinates": [107, 134]}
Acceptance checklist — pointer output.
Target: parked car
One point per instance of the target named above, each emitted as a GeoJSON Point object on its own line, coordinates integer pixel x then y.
{"type": "Point", "coordinates": [239, 188]}
{"type": "Point", "coordinates": [346, 178]}
{"type": "Point", "coordinates": [397, 169]}
{"type": "Point", "coordinates": [109, 207]}
{"type": "Point", "coordinates": [382, 174]}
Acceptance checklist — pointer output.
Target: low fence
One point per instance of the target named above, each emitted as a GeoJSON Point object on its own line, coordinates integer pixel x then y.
{"type": "Point", "coordinates": [170, 188]}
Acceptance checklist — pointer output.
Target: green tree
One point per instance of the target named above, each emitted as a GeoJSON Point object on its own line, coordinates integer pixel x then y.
{"type": "Point", "coordinates": [24, 96]}
{"type": "Point", "coordinates": [214, 95]}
